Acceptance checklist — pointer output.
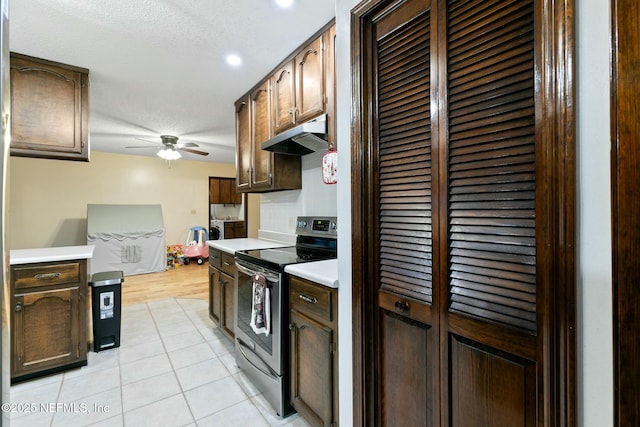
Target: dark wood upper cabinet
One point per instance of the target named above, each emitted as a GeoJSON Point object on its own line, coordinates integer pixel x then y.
{"type": "Point", "coordinates": [223, 191]}
{"type": "Point", "coordinates": [262, 161]}
{"type": "Point", "coordinates": [299, 86]}
{"type": "Point", "coordinates": [283, 111]}
{"type": "Point", "coordinates": [310, 79]}
{"type": "Point", "coordinates": [49, 109]}
{"type": "Point", "coordinates": [259, 171]}
{"type": "Point", "coordinates": [299, 89]}
{"type": "Point", "coordinates": [243, 144]}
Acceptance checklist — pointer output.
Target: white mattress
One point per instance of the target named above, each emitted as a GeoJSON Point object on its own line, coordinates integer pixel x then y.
{"type": "Point", "coordinates": [127, 238]}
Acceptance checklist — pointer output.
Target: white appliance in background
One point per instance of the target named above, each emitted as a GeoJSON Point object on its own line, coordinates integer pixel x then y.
{"type": "Point", "coordinates": [216, 229]}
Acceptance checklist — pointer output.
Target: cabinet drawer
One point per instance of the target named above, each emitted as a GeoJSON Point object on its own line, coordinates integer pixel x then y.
{"type": "Point", "coordinates": [34, 276]}
{"type": "Point", "coordinates": [315, 300]}
{"type": "Point", "coordinates": [215, 258]}
{"type": "Point", "coordinates": [228, 264]}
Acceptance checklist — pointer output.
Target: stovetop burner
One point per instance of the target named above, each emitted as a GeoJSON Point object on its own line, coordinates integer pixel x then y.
{"type": "Point", "coordinates": [287, 255]}
{"type": "Point", "coordinates": [316, 241]}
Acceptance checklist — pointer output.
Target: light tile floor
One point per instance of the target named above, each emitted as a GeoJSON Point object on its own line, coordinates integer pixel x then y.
{"type": "Point", "coordinates": [174, 367]}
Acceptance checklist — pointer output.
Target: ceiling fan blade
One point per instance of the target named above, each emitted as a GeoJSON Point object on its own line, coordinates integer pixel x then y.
{"type": "Point", "coordinates": [189, 150]}
{"type": "Point", "coordinates": [149, 140]}
{"type": "Point", "coordinates": [186, 144]}
{"type": "Point", "coordinates": [208, 143]}
{"type": "Point", "coordinates": [142, 146]}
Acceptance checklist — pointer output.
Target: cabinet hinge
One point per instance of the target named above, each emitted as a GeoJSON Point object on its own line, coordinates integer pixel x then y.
{"type": "Point", "coordinates": [333, 348]}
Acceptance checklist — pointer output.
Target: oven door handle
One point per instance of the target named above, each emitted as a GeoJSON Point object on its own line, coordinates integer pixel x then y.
{"type": "Point", "coordinates": [249, 272]}
{"type": "Point", "coordinates": [270, 373]}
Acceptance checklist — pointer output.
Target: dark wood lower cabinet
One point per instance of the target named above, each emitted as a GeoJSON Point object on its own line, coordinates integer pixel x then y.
{"type": "Point", "coordinates": [48, 318]}
{"type": "Point", "coordinates": [313, 327]}
{"type": "Point", "coordinates": [234, 230]}
{"type": "Point", "coordinates": [222, 290]}
{"type": "Point", "coordinates": [215, 309]}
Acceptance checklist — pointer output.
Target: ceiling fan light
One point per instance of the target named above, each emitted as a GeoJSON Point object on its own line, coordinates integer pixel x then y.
{"type": "Point", "coordinates": [168, 154]}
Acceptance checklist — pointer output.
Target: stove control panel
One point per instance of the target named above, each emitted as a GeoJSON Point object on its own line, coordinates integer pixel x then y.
{"type": "Point", "coordinates": [326, 226]}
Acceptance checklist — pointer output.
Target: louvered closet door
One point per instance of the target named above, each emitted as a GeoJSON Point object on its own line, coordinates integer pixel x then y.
{"type": "Point", "coordinates": [407, 331]}
{"type": "Point", "coordinates": [454, 213]}
{"type": "Point", "coordinates": [490, 321]}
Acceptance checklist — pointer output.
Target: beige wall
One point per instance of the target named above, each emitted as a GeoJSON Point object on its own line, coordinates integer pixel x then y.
{"type": "Point", "coordinates": [48, 198]}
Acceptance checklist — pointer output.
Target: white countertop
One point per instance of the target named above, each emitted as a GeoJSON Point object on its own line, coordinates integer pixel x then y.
{"type": "Point", "coordinates": [322, 272]}
{"type": "Point", "coordinates": [63, 253]}
{"type": "Point", "coordinates": [232, 245]}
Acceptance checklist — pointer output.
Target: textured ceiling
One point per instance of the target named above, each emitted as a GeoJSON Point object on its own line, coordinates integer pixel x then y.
{"type": "Point", "coordinates": [158, 66]}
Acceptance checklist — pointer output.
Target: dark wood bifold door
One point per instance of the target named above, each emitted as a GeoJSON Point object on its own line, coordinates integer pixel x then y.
{"type": "Point", "coordinates": [463, 267]}
{"type": "Point", "coordinates": [625, 186]}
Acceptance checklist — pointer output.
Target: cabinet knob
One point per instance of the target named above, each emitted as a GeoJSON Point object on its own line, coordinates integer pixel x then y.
{"type": "Point", "coordinates": [402, 306]}
{"type": "Point", "coordinates": [19, 306]}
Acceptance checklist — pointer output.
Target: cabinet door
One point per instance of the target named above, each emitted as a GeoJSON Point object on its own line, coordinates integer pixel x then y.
{"type": "Point", "coordinates": [49, 109]}
{"type": "Point", "coordinates": [243, 145]}
{"type": "Point", "coordinates": [283, 98]}
{"type": "Point", "coordinates": [262, 160]}
{"type": "Point", "coordinates": [236, 198]}
{"type": "Point", "coordinates": [330, 83]}
{"type": "Point", "coordinates": [309, 76]}
{"type": "Point", "coordinates": [225, 191]}
{"type": "Point", "coordinates": [229, 231]}
{"type": "Point", "coordinates": [227, 305]}
{"type": "Point", "coordinates": [215, 308]}
{"type": "Point", "coordinates": [311, 369]}
{"type": "Point", "coordinates": [48, 330]}
{"type": "Point", "coordinates": [214, 190]}
{"type": "Point", "coordinates": [239, 230]}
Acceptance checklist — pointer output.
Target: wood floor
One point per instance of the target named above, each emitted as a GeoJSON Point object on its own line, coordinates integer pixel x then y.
{"type": "Point", "coordinates": [188, 281]}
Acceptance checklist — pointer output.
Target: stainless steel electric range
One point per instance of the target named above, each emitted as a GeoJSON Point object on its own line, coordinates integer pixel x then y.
{"type": "Point", "coordinates": [264, 358]}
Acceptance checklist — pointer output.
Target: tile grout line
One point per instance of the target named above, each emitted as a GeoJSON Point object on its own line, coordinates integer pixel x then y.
{"type": "Point", "coordinates": [173, 370]}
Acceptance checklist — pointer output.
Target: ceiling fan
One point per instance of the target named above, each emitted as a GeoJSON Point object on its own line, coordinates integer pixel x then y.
{"type": "Point", "coordinates": [171, 148]}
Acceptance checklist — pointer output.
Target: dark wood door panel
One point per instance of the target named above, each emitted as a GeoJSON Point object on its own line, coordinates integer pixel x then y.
{"type": "Point", "coordinates": [312, 368]}
{"type": "Point", "coordinates": [625, 177]}
{"type": "Point", "coordinates": [407, 384]}
{"type": "Point", "coordinates": [510, 340]}
{"type": "Point", "coordinates": [416, 310]}
{"type": "Point", "coordinates": [490, 388]}
{"type": "Point", "coordinates": [463, 238]}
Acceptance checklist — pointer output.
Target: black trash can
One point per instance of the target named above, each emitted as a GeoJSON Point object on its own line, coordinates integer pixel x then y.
{"type": "Point", "coordinates": [105, 305]}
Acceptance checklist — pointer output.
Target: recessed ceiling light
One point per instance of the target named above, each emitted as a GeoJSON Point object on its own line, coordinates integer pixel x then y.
{"type": "Point", "coordinates": [234, 60]}
{"type": "Point", "coordinates": [284, 3]}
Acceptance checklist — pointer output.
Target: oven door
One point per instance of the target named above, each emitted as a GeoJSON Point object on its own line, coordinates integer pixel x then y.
{"type": "Point", "coordinates": [265, 347]}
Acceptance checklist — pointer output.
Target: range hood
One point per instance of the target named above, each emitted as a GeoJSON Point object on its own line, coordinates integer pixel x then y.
{"type": "Point", "coordinates": [302, 139]}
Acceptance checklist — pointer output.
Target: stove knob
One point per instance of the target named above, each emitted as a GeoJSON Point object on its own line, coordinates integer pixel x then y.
{"type": "Point", "coordinates": [302, 224]}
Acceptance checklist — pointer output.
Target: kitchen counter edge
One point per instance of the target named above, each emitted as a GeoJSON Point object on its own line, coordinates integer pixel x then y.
{"type": "Point", "coordinates": [62, 253]}
{"type": "Point", "coordinates": [324, 273]}
{"type": "Point", "coordinates": [230, 246]}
